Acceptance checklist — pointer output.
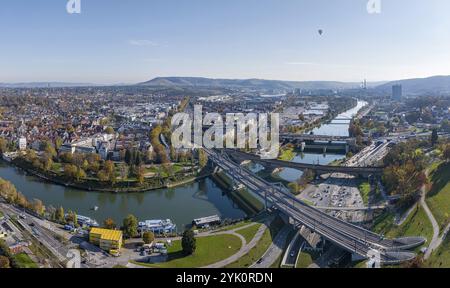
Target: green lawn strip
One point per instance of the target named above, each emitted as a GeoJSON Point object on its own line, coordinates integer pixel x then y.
{"type": "Point", "coordinates": [234, 226]}
{"type": "Point", "coordinates": [249, 232]}
{"type": "Point", "coordinates": [24, 261]}
{"type": "Point", "coordinates": [306, 258]}
{"type": "Point", "coordinates": [261, 247]}
{"type": "Point", "coordinates": [210, 250]}
{"type": "Point", "coordinates": [307, 202]}
{"type": "Point", "coordinates": [438, 198]}
{"type": "Point", "coordinates": [360, 264]}
{"type": "Point", "coordinates": [364, 188]}
{"type": "Point", "coordinates": [441, 257]}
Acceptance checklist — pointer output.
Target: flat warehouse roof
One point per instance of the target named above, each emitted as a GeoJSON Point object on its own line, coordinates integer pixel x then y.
{"type": "Point", "coordinates": [105, 234]}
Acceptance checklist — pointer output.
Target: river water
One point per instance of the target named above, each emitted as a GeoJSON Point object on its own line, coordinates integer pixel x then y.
{"type": "Point", "coordinates": [337, 127]}
{"type": "Point", "coordinates": [181, 204]}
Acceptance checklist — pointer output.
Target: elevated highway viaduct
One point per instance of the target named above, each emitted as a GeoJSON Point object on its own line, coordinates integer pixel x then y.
{"type": "Point", "coordinates": [355, 239]}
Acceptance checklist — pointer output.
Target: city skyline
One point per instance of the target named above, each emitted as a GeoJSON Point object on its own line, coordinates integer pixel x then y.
{"type": "Point", "coordinates": [119, 43]}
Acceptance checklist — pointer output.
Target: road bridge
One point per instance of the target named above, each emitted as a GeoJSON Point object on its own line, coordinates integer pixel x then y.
{"type": "Point", "coordinates": [355, 239]}
{"type": "Point", "coordinates": [319, 169]}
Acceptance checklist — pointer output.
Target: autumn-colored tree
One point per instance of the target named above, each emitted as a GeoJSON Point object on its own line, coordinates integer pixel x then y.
{"type": "Point", "coordinates": [202, 158]}
{"type": "Point", "coordinates": [38, 207]}
{"type": "Point", "coordinates": [140, 175]}
{"type": "Point", "coordinates": [109, 224]}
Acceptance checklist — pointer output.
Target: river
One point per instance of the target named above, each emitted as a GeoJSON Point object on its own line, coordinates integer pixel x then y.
{"type": "Point", "coordinates": [337, 127]}
{"type": "Point", "coordinates": [181, 204]}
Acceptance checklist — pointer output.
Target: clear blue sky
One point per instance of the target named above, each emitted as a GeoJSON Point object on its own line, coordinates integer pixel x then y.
{"type": "Point", "coordinates": [118, 41]}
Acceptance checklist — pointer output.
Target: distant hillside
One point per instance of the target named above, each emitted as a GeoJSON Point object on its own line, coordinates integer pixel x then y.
{"type": "Point", "coordinates": [245, 84]}
{"type": "Point", "coordinates": [435, 84]}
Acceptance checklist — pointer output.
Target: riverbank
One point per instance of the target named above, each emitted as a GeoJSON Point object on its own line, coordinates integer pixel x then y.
{"type": "Point", "coordinates": [244, 199]}
{"type": "Point", "coordinates": [121, 188]}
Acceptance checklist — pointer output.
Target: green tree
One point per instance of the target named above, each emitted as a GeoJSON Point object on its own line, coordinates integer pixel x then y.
{"type": "Point", "coordinates": [58, 143]}
{"type": "Point", "coordinates": [188, 242]}
{"type": "Point", "coordinates": [294, 187]}
{"type": "Point", "coordinates": [48, 148]}
{"type": "Point", "coordinates": [72, 217]}
{"type": "Point", "coordinates": [446, 152]}
{"type": "Point", "coordinates": [47, 162]}
{"type": "Point", "coordinates": [148, 237]}
{"type": "Point", "coordinates": [66, 157]}
{"type": "Point", "coordinates": [445, 126]}
{"type": "Point", "coordinates": [102, 176]}
{"type": "Point", "coordinates": [80, 174]}
{"type": "Point", "coordinates": [434, 137]}
{"type": "Point", "coordinates": [128, 156]}
{"type": "Point", "coordinates": [70, 171]}
{"type": "Point", "coordinates": [130, 225]}
{"type": "Point", "coordinates": [109, 130]}
{"type": "Point", "coordinates": [59, 215]}
{"type": "Point", "coordinates": [110, 171]}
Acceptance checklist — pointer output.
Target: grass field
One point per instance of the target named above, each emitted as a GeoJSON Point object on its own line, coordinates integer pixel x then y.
{"type": "Point", "coordinates": [438, 198]}
{"type": "Point", "coordinates": [306, 258]}
{"type": "Point", "coordinates": [360, 264]}
{"type": "Point", "coordinates": [441, 257]}
{"type": "Point", "coordinates": [417, 224]}
{"type": "Point", "coordinates": [210, 250]}
{"type": "Point", "coordinates": [24, 261]}
{"type": "Point", "coordinates": [287, 154]}
{"type": "Point", "coordinates": [249, 232]}
{"type": "Point", "coordinates": [258, 251]}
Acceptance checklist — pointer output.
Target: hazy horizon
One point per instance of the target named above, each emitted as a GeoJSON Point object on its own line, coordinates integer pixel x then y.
{"type": "Point", "coordinates": [114, 42]}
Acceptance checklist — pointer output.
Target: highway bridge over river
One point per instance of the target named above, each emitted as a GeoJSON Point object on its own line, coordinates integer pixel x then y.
{"type": "Point", "coordinates": [319, 169]}
{"type": "Point", "coordinates": [357, 240]}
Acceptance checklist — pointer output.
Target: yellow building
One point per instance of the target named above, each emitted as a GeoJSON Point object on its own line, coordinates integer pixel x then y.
{"type": "Point", "coordinates": [108, 240]}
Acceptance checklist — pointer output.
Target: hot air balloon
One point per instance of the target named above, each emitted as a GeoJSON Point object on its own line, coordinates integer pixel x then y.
{"type": "Point", "coordinates": [320, 32]}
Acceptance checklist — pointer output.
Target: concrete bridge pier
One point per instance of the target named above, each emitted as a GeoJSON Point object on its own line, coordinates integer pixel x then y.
{"type": "Point", "coordinates": [302, 146]}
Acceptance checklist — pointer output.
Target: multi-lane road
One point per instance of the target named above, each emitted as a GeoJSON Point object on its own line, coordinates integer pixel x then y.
{"type": "Point", "coordinates": [351, 237]}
